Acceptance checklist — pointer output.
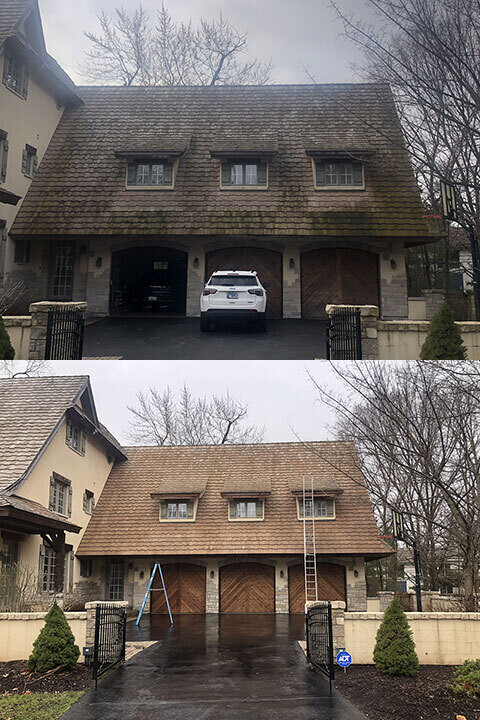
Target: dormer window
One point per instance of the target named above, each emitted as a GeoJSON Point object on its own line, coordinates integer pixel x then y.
{"type": "Point", "coordinates": [151, 174]}
{"type": "Point", "coordinates": [339, 175]}
{"type": "Point", "coordinates": [247, 509]}
{"type": "Point", "coordinates": [323, 508]}
{"type": "Point", "coordinates": [15, 75]}
{"type": "Point", "coordinates": [246, 174]}
{"type": "Point", "coordinates": [76, 437]}
{"type": "Point", "coordinates": [178, 510]}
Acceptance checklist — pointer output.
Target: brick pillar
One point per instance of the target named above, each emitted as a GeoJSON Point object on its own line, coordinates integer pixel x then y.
{"type": "Point", "coordinates": [90, 607]}
{"type": "Point", "coordinates": [281, 587]}
{"type": "Point", "coordinates": [38, 334]}
{"type": "Point", "coordinates": [369, 320]}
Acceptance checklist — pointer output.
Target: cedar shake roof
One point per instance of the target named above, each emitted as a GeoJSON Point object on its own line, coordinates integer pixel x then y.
{"type": "Point", "coordinates": [30, 411]}
{"type": "Point", "coordinates": [12, 12]}
{"type": "Point", "coordinates": [322, 484]}
{"type": "Point", "coordinates": [250, 483]}
{"type": "Point", "coordinates": [126, 518]}
{"type": "Point", "coordinates": [188, 483]}
{"type": "Point", "coordinates": [80, 186]}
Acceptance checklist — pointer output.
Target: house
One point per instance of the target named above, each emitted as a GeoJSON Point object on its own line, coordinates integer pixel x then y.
{"type": "Point", "coordinates": [34, 92]}
{"type": "Point", "coordinates": [226, 523]}
{"type": "Point", "coordinates": [310, 185]}
{"type": "Point", "coordinates": [55, 457]}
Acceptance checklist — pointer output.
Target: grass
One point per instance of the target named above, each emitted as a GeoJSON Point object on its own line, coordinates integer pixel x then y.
{"type": "Point", "coordinates": [37, 706]}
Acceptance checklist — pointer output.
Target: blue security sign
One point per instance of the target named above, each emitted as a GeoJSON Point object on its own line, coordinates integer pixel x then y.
{"type": "Point", "coordinates": [344, 659]}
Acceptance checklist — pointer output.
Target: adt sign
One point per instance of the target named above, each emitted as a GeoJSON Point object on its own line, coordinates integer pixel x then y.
{"type": "Point", "coordinates": [344, 659]}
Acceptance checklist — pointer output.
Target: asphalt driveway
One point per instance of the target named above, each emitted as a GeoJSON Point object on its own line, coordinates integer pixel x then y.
{"type": "Point", "coordinates": [157, 338]}
{"type": "Point", "coordinates": [215, 667]}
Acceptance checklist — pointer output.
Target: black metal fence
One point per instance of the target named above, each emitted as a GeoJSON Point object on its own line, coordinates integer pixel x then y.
{"type": "Point", "coordinates": [64, 340]}
{"type": "Point", "coordinates": [319, 634]}
{"type": "Point", "coordinates": [110, 630]}
{"type": "Point", "coordinates": [344, 335]}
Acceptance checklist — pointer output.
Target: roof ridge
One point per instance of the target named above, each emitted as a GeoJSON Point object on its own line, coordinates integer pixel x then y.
{"type": "Point", "coordinates": [237, 445]}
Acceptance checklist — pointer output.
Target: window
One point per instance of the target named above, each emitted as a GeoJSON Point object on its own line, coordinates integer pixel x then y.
{"type": "Point", "coordinates": [244, 174]}
{"type": "Point", "coordinates": [323, 508]}
{"type": "Point", "coordinates": [115, 590]}
{"type": "Point", "coordinates": [179, 510]}
{"type": "Point", "coordinates": [86, 567]}
{"type": "Point", "coordinates": [246, 509]}
{"type": "Point", "coordinates": [76, 437]}
{"type": "Point", "coordinates": [88, 502]}
{"type": "Point", "coordinates": [338, 174]}
{"type": "Point", "coordinates": [3, 247]}
{"type": "Point", "coordinates": [63, 270]}
{"type": "Point", "coordinates": [68, 570]}
{"type": "Point", "coordinates": [22, 251]}
{"type": "Point", "coordinates": [3, 155]}
{"type": "Point", "coordinates": [29, 161]}
{"type": "Point", "coordinates": [48, 562]}
{"type": "Point", "coordinates": [60, 495]}
{"type": "Point", "coordinates": [15, 75]}
{"type": "Point", "coordinates": [150, 174]}
{"type": "Point", "coordinates": [238, 280]}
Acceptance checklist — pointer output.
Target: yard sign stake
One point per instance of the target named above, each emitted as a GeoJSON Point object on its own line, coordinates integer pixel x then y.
{"type": "Point", "coordinates": [149, 589]}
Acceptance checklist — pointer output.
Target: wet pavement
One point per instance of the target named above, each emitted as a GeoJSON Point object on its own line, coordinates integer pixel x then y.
{"type": "Point", "coordinates": [215, 667]}
{"type": "Point", "coordinates": [157, 338]}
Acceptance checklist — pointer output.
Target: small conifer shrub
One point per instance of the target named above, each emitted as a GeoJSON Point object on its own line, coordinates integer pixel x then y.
{"type": "Point", "coordinates": [6, 350]}
{"type": "Point", "coordinates": [467, 679]}
{"type": "Point", "coordinates": [444, 340]}
{"type": "Point", "coordinates": [55, 644]}
{"type": "Point", "coordinates": [394, 652]}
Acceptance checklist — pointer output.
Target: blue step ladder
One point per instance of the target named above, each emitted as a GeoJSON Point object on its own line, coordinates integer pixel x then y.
{"type": "Point", "coordinates": [160, 589]}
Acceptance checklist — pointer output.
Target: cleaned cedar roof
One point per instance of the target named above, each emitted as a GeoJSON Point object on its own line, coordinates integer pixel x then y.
{"type": "Point", "coordinates": [80, 185]}
{"type": "Point", "coordinates": [39, 511]}
{"type": "Point", "coordinates": [12, 13]}
{"type": "Point", "coordinates": [248, 484]}
{"type": "Point", "coordinates": [126, 519]}
{"type": "Point", "coordinates": [323, 484]}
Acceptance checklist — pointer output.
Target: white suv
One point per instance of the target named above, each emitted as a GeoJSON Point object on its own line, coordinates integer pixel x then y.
{"type": "Point", "coordinates": [233, 294]}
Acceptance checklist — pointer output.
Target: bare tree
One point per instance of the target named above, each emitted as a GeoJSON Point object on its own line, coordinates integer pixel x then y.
{"type": "Point", "coordinates": [418, 435]}
{"type": "Point", "coordinates": [10, 293]}
{"type": "Point", "coordinates": [161, 419]}
{"type": "Point", "coordinates": [24, 368]}
{"type": "Point", "coordinates": [130, 50]}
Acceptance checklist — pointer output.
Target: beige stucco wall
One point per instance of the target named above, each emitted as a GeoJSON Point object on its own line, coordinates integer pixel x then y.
{"type": "Point", "coordinates": [404, 340]}
{"type": "Point", "coordinates": [88, 472]}
{"type": "Point", "coordinates": [18, 328]}
{"type": "Point", "coordinates": [18, 631]}
{"type": "Point", "coordinates": [440, 638]}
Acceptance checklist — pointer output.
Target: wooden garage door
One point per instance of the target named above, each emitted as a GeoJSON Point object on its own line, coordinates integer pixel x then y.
{"type": "Point", "coordinates": [340, 276]}
{"type": "Point", "coordinates": [185, 589]}
{"type": "Point", "coordinates": [331, 585]}
{"type": "Point", "coordinates": [247, 588]}
{"type": "Point", "coordinates": [267, 263]}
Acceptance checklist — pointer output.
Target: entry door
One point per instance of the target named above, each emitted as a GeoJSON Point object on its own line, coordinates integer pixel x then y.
{"type": "Point", "coordinates": [330, 583]}
{"type": "Point", "coordinates": [247, 588]}
{"type": "Point", "coordinates": [186, 589]}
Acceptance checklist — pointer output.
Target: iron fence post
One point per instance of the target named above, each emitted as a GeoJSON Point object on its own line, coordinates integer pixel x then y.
{"type": "Point", "coordinates": [124, 635]}
{"type": "Point", "coordinates": [358, 334]}
{"type": "Point", "coordinates": [96, 645]}
{"type": "Point", "coordinates": [331, 674]}
{"type": "Point", "coordinates": [307, 636]}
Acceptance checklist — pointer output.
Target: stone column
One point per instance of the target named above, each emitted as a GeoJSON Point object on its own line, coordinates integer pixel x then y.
{"type": "Point", "coordinates": [38, 334]}
{"type": "Point", "coordinates": [212, 589]}
{"type": "Point", "coordinates": [292, 301]}
{"type": "Point", "coordinates": [281, 587]}
{"type": "Point", "coordinates": [195, 279]}
{"type": "Point", "coordinates": [393, 282]}
{"type": "Point", "coordinates": [356, 586]}
{"type": "Point", "coordinates": [369, 320]}
{"type": "Point", "coordinates": [386, 597]}
{"type": "Point", "coordinates": [338, 622]}
{"type": "Point", "coordinates": [433, 301]}
{"type": "Point", "coordinates": [90, 607]}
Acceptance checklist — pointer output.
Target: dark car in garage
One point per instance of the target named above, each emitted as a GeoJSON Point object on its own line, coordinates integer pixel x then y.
{"type": "Point", "coordinates": [153, 290]}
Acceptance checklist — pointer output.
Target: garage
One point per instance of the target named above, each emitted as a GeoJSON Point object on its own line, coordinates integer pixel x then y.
{"type": "Point", "coordinates": [330, 582]}
{"type": "Point", "coordinates": [337, 275]}
{"type": "Point", "coordinates": [149, 280]}
{"type": "Point", "coordinates": [267, 263]}
{"type": "Point", "coordinates": [247, 588]}
{"type": "Point", "coordinates": [186, 589]}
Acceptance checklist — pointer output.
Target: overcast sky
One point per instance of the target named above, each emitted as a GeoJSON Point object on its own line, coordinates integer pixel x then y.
{"type": "Point", "coordinates": [290, 33]}
{"type": "Point", "coordinates": [279, 394]}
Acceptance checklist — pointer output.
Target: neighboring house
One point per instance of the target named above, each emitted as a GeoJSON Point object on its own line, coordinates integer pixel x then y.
{"type": "Point", "coordinates": [310, 185]}
{"type": "Point", "coordinates": [55, 457]}
{"type": "Point", "coordinates": [34, 91]}
{"type": "Point", "coordinates": [226, 523]}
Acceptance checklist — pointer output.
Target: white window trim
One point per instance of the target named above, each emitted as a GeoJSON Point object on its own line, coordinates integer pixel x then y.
{"type": "Point", "coordinates": [255, 188]}
{"type": "Point", "coordinates": [175, 163]}
{"type": "Point", "coordinates": [336, 188]}
{"type": "Point", "coordinates": [321, 518]}
{"type": "Point", "coordinates": [247, 519]}
{"type": "Point", "coordinates": [178, 520]}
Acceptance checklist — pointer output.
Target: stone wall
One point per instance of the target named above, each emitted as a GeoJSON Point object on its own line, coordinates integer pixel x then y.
{"type": "Point", "coordinates": [39, 312]}
{"type": "Point", "coordinates": [432, 601]}
{"type": "Point", "coordinates": [91, 609]}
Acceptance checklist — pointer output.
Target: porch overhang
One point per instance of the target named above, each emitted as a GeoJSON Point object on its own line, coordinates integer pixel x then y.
{"type": "Point", "coordinates": [31, 518]}
{"type": "Point", "coordinates": [8, 198]}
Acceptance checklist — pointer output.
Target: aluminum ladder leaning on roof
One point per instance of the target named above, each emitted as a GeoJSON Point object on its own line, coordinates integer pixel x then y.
{"type": "Point", "coordinates": [309, 548]}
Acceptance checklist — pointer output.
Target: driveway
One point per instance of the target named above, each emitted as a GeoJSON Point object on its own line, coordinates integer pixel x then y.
{"type": "Point", "coordinates": [227, 667]}
{"type": "Point", "coordinates": [159, 338]}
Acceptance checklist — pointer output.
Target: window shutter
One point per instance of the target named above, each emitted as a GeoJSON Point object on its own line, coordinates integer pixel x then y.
{"type": "Point", "coordinates": [41, 567]}
{"type": "Point", "coordinates": [330, 508]}
{"type": "Point", "coordinates": [24, 162]}
{"type": "Point", "coordinates": [357, 173]}
{"type": "Point", "coordinates": [163, 510]}
{"type": "Point", "coordinates": [3, 169]}
{"type": "Point", "coordinates": [26, 76]}
{"type": "Point", "coordinates": [83, 440]}
{"type": "Point", "coordinates": [34, 164]}
{"type": "Point", "coordinates": [189, 509]}
{"type": "Point", "coordinates": [262, 173]}
{"type": "Point", "coordinates": [226, 173]}
{"type": "Point", "coordinates": [320, 169]}
{"type": "Point", "coordinates": [85, 501]}
{"type": "Point", "coordinates": [232, 509]}
{"type": "Point", "coordinates": [69, 501]}
{"type": "Point", "coordinates": [132, 174]}
{"type": "Point", "coordinates": [51, 502]}
{"type": "Point", "coordinates": [167, 173]}
{"type": "Point", "coordinates": [92, 504]}
{"type": "Point", "coordinates": [259, 508]}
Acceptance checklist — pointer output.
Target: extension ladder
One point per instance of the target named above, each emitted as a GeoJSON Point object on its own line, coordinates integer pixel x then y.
{"type": "Point", "coordinates": [309, 548]}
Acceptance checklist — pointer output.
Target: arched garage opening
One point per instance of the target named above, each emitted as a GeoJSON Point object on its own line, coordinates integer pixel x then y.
{"type": "Point", "coordinates": [330, 583]}
{"type": "Point", "coordinates": [247, 588]}
{"type": "Point", "coordinates": [341, 276]}
{"type": "Point", "coordinates": [186, 589]}
{"type": "Point", "coordinates": [267, 263]}
{"type": "Point", "coordinates": [149, 280]}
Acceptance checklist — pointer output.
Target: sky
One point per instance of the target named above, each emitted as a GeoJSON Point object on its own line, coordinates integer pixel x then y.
{"type": "Point", "coordinates": [279, 394]}
{"type": "Point", "coordinates": [291, 34]}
